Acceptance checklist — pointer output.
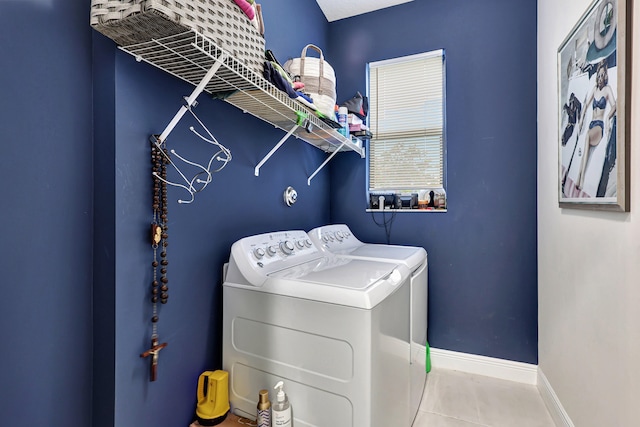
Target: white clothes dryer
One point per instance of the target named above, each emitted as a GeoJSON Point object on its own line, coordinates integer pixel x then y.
{"type": "Point", "coordinates": [339, 240]}
{"type": "Point", "coordinates": [332, 328]}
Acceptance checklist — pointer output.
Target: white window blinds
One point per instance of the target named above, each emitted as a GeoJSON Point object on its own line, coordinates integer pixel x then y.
{"type": "Point", "coordinates": [406, 117]}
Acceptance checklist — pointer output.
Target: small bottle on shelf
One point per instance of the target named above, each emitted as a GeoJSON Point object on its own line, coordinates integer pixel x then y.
{"type": "Point", "coordinates": [342, 120]}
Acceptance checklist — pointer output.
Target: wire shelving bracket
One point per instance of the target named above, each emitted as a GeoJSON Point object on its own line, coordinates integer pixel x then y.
{"type": "Point", "coordinates": [196, 59]}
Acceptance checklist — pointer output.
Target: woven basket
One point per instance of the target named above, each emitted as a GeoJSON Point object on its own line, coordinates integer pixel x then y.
{"type": "Point", "coordinates": [129, 22]}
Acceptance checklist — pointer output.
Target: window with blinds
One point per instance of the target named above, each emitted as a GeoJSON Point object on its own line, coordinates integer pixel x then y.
{"type": "Point", "coordinates": [406, 118]}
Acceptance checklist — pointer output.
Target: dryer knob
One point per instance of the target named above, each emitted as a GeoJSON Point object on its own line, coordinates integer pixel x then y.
{"type": "Point", "coordinates": [300, 244]}
{"type": "Point", "coordinates": [339, 236]}
{"type": "Point", "coordinates": [271, 250]}
{"type": "Point", "coordinates": [325, 238]}
{"type": "Point", "coordinates": [307, 243]}
{"type": "Point", "coordinates": [286, 247]}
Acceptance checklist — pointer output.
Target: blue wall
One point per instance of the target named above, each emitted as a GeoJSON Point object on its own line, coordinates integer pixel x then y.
{"type": "Point", "coordinates": [76, 215]}
{"type": "Point", "coordinates": [482, 252]}
{"type": "Point", "coordinates": [140, 100]}
{"type": "Point", "coordinates": [46, 220]}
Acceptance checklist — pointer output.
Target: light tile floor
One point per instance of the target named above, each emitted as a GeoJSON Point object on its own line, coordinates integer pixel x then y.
{"type": "Point", "coordinates": [458, 399]}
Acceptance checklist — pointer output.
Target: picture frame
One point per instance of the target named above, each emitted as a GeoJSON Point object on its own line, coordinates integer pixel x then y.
{"type": "Point", "coordinates": [594, 77]}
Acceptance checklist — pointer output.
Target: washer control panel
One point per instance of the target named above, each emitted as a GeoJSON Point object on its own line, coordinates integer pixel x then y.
{"type": "Point", "coordinates": [278, 249]}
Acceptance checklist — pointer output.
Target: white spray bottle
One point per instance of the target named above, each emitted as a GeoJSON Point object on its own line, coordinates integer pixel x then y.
{"type": "Point", "coordinates": [281, 409]}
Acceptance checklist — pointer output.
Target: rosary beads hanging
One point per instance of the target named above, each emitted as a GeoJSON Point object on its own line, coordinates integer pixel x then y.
{"type": "Point", "coordinates": [159, 236]}
{"type": "Point", "coordinates": [159, 288]}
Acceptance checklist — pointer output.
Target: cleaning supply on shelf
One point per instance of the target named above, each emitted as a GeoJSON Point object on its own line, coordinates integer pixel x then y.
{"type": "Point", "coordinates": [342, 119]}
{"type": "Point", "coordinates": [281, 409]}
{"type": "Point", "coordinates": [263, 418]}
{"type": "Point", "coordinates": [213, 397]}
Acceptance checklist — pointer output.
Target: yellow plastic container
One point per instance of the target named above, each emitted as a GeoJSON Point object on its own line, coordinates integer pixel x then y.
{"type": "Point", "coordinates": [213, 397]}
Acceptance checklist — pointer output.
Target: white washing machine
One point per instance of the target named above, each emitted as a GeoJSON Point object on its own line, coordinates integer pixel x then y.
{"type": "Point", "coordinates": [339, 240]}
{"type": "Point", "coordinates": [334, 329]}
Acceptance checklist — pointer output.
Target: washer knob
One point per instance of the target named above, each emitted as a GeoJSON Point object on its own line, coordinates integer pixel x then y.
{"type": "Point", "coordinates": [325, 238]}
{"type": "Point", "coordinates": [307, 243]}
{"type": "Point", "coordinates": [286, 247]}
{"type": "Point", "coordinates": [258, 253]}
{"type": "Point", "coordinates": [271, 250]}
{"type": "Point", "coordinates": [339, 236]}
{"type": "Point", "coordinates": [300, 244]}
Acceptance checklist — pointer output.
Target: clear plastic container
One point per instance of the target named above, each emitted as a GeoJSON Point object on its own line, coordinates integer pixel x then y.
{"type": "Point", "coordinates": [281, 408]}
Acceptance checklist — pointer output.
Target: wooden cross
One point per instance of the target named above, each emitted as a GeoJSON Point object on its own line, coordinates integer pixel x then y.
{"type": "Point", "coordinates": [153, 352]}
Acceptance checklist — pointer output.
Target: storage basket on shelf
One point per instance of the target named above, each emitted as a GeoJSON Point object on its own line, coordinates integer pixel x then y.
{"type": "Point", "coordinates": [318, 77]}
{"type": "Point", "coordinates": [129, 22]}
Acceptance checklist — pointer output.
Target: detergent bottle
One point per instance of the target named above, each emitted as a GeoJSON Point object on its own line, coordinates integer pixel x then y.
{"type": "Point", "coordinates": [342, 116]}
{"type": "Point", "coordinates": [281, 409]}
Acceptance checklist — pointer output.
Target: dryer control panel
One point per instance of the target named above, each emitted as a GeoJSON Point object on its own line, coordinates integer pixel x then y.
{"type": "Point", "coordinates": [335, 238]}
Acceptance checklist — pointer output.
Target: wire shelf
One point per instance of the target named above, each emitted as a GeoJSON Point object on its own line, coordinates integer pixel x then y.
{"type": "Point", "coordinates": [190, 56]}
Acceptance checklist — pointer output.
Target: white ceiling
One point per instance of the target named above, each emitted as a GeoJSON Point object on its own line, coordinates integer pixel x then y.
{"type": "Point", "coordinates": [339, 9]}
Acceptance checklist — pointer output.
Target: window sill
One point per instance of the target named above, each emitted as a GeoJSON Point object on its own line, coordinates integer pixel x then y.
{"type": "Point", "coordinates": [433, 210]}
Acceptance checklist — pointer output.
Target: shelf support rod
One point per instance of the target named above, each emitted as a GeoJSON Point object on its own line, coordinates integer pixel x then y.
{"type": "Point", "coordinates": [325, 162]}
{"type": "Point", "coordinates": [192, 98]}
{"type": "Point", "coordinates": [256, 172]}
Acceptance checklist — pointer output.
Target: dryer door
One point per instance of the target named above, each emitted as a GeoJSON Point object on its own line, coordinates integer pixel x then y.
{"type": "Point", "coordinates": [345, 281]}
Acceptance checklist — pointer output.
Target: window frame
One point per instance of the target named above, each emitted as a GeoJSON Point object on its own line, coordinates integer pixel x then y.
{"type": "Point", "coordinates": [402, 196]}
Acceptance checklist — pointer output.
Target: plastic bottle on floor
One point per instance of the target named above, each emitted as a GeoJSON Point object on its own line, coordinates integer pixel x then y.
{"type": "Point", "coordinates": [281, 409]}
{"type": "Point", "coordinates": [264, 410]}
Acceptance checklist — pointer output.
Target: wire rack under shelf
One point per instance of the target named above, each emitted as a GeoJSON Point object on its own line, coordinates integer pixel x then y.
{"type": "Point", "coordinates": [190, 56]}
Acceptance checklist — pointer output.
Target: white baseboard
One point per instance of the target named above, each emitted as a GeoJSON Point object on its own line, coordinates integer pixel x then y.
{"type": "Point", "coordinates": [559, 415]}
{"type": "Point", "coordinates": [481, 365]}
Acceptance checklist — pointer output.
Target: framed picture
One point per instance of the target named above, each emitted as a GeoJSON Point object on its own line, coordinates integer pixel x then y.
{"type": "Point", "coordinates": [594, 74]}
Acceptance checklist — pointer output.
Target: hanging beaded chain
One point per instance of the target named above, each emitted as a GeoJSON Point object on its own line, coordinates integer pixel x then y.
{"type": "Point", "coordinates": [159, 290]}
{"type": "Point", "coordinates": [159, 160]}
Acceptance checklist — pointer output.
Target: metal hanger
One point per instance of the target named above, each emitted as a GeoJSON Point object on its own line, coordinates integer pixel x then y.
{"type": "Point", "coordinates": [203, 176]}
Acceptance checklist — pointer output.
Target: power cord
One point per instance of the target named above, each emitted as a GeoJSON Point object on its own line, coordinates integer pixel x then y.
{"type": "Point", "coordinates": [386, 223]}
